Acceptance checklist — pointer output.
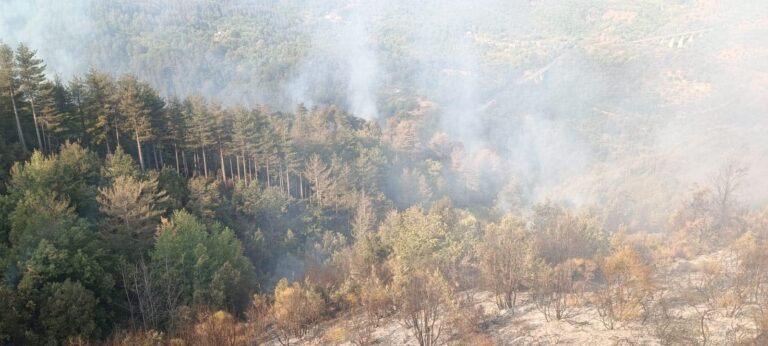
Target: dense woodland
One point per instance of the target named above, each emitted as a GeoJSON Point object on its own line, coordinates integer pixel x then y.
{"type": "Point", "coordinates": [228, 215]}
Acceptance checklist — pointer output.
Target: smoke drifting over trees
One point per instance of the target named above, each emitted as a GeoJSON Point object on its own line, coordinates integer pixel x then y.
{"type": "Point", "coordinates": [526, 80]}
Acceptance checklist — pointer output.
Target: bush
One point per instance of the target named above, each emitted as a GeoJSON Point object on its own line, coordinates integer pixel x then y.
{"type": "Point", "coordinates": [555, 290]}
{"type": "Point", "coordinates": [626, 285]}
{"type": "Point", "coordinates": [424, 300]}
{"type": "Point", "coordinates": [507, 260]}
{"type": "Point", "coordinates": [297, 307]}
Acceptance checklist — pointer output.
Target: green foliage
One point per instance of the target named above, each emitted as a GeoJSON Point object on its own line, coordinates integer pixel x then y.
{"type": "Point", "coordinates": [72, 173]}
{"type": "Point", "coordinates": [132, 210]}
{"type": "Point", "coordinates": [68, 312]}
{"type": "Point", "coordinates": [205, 258]}
{"type": "Point", "coordinates": [52, 245]}
{"type": "Point", "coordinates": [174, 185]}
{"type": "Point", "coordinates": [119, 164]}
{"type": "Point", "coordinates": [204, 197]}
{"type": "Point", "coordinates": [441, 238]}
{"type": "Point", "coordinates": [11, 320]}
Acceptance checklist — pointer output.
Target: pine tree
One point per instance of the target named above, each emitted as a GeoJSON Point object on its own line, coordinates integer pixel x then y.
{"type": "Point", "coordinates": [31, 79]}
{"type": "Point", "coordinates": [134, 112]}
{"type": "Point", "coordinates": [8, 85]}
{"type": "Point", "coordinates": [51, 116]}
{"type": "Point", "coordinates": [292, 164]}
{"type": "Point", "coordinates": [243, 136]}
{"type": "Point", "coordinates": [222, 133]}
{"type": "Point", "coordinates": [119, 164]}
{"type": "Point", "coordinates": [175, 129]}
{"type": "Point", "coordinates": [201, 126]}
{"type": "Point", "coordinates": [76, 118]}
{"type": "Point", "coordinates": [155, 106]}
{"type": "Point", "coordinates": [132, 210]}
{"type": "Point", "coordinates": [99, 108]}
{"type": "Point", "coordinates": [319, 175]}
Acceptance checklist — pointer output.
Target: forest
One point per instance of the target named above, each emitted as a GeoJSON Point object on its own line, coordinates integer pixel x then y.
{"type": "Point", "coordinates": [255, 172]}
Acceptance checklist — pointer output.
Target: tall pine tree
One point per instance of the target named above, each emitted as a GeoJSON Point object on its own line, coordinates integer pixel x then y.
{"type": "Point", "coordinates": [31, 78]}
{"type": "Point", "coordinates": [8, 85]}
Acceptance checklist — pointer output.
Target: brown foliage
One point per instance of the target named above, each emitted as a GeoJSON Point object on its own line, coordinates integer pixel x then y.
{"type": "Point", "coordinates": [425, 299]}
{"type": "Point", "coordinates": [296, 308]}
{"type": "Point", "coordinates": [626, 285]}
{"type": "Point", "coordinates": [557, 288]}
{"type": "Point", "coordinates": [562, 235]}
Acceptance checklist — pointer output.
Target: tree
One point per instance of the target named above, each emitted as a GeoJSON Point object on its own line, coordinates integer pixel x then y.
{"type": "Point", "coordinates": [364, 220]}
{"type": "Point", "coordinates": [119, 164]}
{"type": "Point", "coordinates": [53, 104]}
{"type": "Point", "coordinates": [98, 106]}
{"type": "Point", "coordinates": [222, 132]}
{"type": "Point", "coordinates": [207, 260]}
{"type": "Point", "coordinates": [204, 198]}
{"type": "Point", "coordinates": [131, 106]}
{"type": "Point", "coordinates": [201, 126]}
{"type": "Point", "coordinates": [52, 245]}
{"type": "Point", "coordinates": [507, 260]}
{"type": "Point", "coordinates": [625, 287]}
{"type": "Point", "coordinates": [244, 131]}
{"type": "Point", "coordinates": [176, 131]}
{"type": "Point", "coordinates": [424, 298]}
{"type": "Point", "coordinates": [318, 173]}
{"type": "Point", "coordinates": [296, 308]}
{"type": "Point", "coordinates": [553, 290]}
{"type": "Point", "coordinates": [422, 241]}
{"type": "Point", "coordinates": [77, 118]}
{"type": "Point", "coordinates": [68, 312]}
{"type": "Point", "coordinates": [72, 173]}
{"type": "Point", "coordinates": [561, 234]}
{"type": "Point", "coordinates": [8, 85]}
{"type": "Point", "coordinates": [132, 210]}
{"type": "Point", "coordinates": [31, 78]}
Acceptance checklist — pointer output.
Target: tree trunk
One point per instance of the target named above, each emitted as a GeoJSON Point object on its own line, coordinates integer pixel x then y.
{"type": "Point", "coordinates": [268, 183]}
{"type": "Point", "coordinates": [231, 169]}
{"type": "Point", "coordinates": [106, 141]}
{"type": "Point", "coordinates": [138, 146]}
{"type": "Point", "coordinates": [223, 167]}
{"type": "Point", "coordinates": [176, 153]}
{"type": "Point", "coordinates": [237, 163]}
{"type": "Point", "coordinates": [34, 119]}
{"type": "Point", "coordinates": [186, 167]}
{"type": "Point", "coordinates": [154, 156]}
{"type": "Point", "coordinates": [205, 164]}
{"type": "Point", "coordinates": [44, 149]}
{"type": "Point", "coordinates": [83, 132]}
{"type": "Point", "coordinates": [243, 160]}
{"type": "Point", "coordinates": [18, 123]}
{"type": "Point", "coordinates": [46, 141]}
